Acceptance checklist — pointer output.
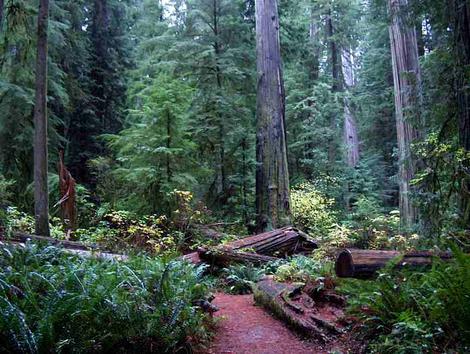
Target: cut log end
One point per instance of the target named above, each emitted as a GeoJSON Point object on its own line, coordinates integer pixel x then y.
{"type": "Point", "coordinates": [365, 264]}
{"type": "Point", "coordinates": [344, 266]}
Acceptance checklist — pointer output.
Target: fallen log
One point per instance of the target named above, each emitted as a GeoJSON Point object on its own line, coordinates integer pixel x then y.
{"type": "Point", "coordinates": [289, 303]}
{"type": "Point", "coordinates": [24, 237]}
{"type": "Point", "coordinates": [78, 252]}
{"type": "Point", "coordinates": [364, 264]}
{"type": "Point", "coordinates": [257, 249]}
{"type": "Point", "coordinates": [192, 257]}
{"type": "Point", "coordinates": [225, 256]}
{"type": "Point", "coordinates": [287, 240]}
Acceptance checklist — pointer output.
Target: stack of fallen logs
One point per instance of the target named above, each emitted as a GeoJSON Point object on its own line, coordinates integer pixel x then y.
{"type": "Point", "coordinates": [272, 245]}
{"type": "Point", "coordinates": [257, 249]}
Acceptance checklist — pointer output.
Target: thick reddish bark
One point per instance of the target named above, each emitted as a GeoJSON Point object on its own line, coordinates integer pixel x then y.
{"type": "Point", "coordinates": [406, 78]}
{"type": "Point", "coordinates": [41, 193]}
{"type": "Point", "coordinates": [67, 195]}
{"type": "Point", "coordinates": [272, 177]}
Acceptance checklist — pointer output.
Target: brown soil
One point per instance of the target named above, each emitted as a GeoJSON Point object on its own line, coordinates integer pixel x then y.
{"type": "Point", "coordinates": [245, 328]}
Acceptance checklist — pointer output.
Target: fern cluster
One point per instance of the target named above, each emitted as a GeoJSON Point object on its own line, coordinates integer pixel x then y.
{"type": "Point", "coordinates": [54, 301]}
{"type": "Point", "coordinates": [415, 312]}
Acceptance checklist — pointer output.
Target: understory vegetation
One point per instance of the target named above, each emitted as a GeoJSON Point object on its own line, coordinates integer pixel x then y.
{"type": "Point", "coordinates": [415, 312]}
{"type": "Point", "coordinates": [52, 300]}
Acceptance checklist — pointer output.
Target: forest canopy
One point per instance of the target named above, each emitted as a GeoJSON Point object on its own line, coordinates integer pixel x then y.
{"type": "Point", "coordinates": [149, 97]}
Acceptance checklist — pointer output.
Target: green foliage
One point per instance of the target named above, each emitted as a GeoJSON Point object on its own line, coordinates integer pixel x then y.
{"type": "Point", "coordinates": [373, 229]}
{"type": "Point", "coordinates": [51, 300]}
{"type": "Point", "coordinates": [5, 190]}
{"type": "Point", "coordinates": [415, 312]}
{"type": "Point", "coordinates": [239, 278]}
{"type": "Point", "coordinates": [122, 231]}
{"type": "Point", "coordinates": [154, 152]}
{"type": "Point", "coordinates": [311, 210]}
{"type": "Point", "coordinates": [301, 268]}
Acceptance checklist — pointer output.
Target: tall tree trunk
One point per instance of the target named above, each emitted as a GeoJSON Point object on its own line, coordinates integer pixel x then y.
{"type": "Point", "coordinates": [351, 139]}
{"type": "Point", "coordinates": [244, 184]}
{"type": "Point", "coordinates": [406, 78]}
{"type": "Point", "coordinates": [272, 176]}
{"type": "Point", "coordinates": [1, 14]}
{"type": "Point", "coordinates": [336, 87]}
{"type": "Point", "coordinates": [41, 193]}
{"type": "Point", "coordinates": [169, 173]}
{"type": "Point", "coordinates": [218, 74]}
{"type": "Point", "coordinates": [462, 79]}
{"type": "Point", "coordinates": [315, 43]}
{"type": "Point", "coordinates": [99, 35]}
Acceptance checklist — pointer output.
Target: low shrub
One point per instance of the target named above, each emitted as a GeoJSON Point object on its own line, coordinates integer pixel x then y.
{"type": "Point", "coordinates": [52, 301]}
{"type": "Point", "coordinates": [311, 210]}
{"type": "Point", "coordinates": [415, 312]}
{"type": "Point", "coordinates": [121, 230]}
{"type": "Point", "coordinates": [239, 278]}
{"type": "Point", "coordinates": [300, 269]}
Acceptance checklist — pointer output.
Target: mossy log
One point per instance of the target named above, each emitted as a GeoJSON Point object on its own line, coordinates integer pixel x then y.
{"type": "Point", "coordinates": [364, 264]}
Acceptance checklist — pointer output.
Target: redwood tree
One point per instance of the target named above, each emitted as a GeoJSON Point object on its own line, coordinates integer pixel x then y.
{"type": "Point", "coordinates": [406, 78]}
{"type": "Point", "coordinates": [461, 29]}
{"type": "Point", "coordinates": [272, 177]}
{"type": "Point", "coordinates": [351, 139]}
{"type": "Point", "coordinates": [41, 197]}
{"type": "Point", "coordinates": [336, 85]}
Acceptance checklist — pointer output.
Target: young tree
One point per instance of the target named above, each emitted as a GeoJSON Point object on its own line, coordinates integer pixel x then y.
{"type": "Point", "coordinates": [406, 77]}
{"type": "Point", "coordinates": [41, 193]}
{"type": "Point", "coordinates": [272, 177]}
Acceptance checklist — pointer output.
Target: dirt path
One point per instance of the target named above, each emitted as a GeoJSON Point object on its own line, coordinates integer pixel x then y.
{"type": "Point", "coordinates": [247, 329]}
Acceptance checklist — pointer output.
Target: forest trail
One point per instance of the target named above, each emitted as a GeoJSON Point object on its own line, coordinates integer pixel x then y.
{"type": "Point", "coordinates": [245, 328]}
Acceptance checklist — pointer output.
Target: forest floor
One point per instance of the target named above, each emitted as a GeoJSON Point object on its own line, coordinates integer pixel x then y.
{"type": "Point", "coordinates": [245, 328]}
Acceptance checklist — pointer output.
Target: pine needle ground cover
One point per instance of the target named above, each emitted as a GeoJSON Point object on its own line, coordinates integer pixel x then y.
{"type": "Point", "coordinates": [52, 301]}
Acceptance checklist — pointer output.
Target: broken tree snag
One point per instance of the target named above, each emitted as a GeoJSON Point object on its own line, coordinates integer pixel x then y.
{"type": "Point", "coordinates": [67, 195]}
{"type": "Point", "coordinates": [287, 240]}
{"type": "Point", "coordinates": [225, 256]}
{"type": "Point", "coordinates": [354, 263]}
